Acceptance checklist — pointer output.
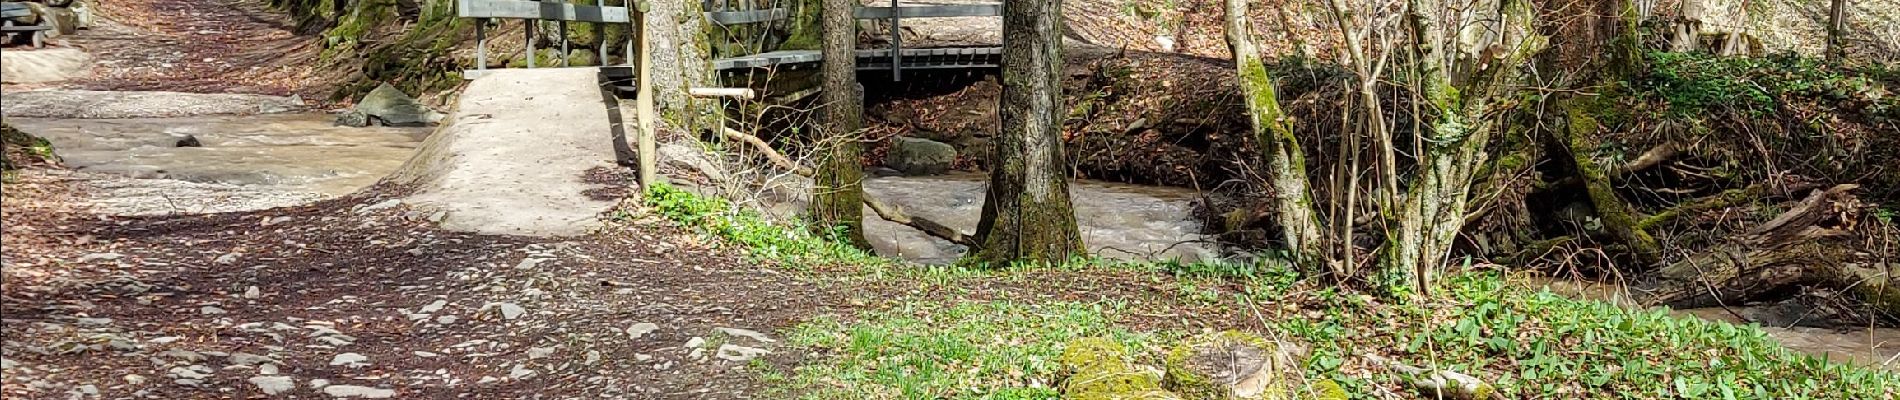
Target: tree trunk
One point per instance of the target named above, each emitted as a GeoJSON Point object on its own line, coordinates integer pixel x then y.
{"type": "Point", "coordinates": [838, 188]}
{"type": "Point", "coordinates": [1027, 215]}
{"type": "Point", "coordinates": [1285, 161]}
{"type": "Point", "coordinates": [1836, 17]}
{"type": "Point", "coordinates": [676, 32]}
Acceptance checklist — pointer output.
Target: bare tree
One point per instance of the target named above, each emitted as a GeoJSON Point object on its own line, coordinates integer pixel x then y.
{"type": "Point", "coordinates": [838, 186]}
{"type": "Point", "coordinates": [1027, 214]}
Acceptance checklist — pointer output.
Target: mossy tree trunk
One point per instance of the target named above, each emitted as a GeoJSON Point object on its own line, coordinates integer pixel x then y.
{"type": "Point", "coordinates": [1285, 162]}
{"type": "Point", "coordinates": [679, 36]}
{"type": "Point", "coordinates": [838, 190]}
{"type": "Point", "coordinates": [1027, 215]}
{"type": "Point", "coordinates": [1468, 68]}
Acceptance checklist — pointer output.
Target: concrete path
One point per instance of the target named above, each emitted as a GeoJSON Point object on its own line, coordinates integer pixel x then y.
{"type": "Point", "coordinates": [513, 156]}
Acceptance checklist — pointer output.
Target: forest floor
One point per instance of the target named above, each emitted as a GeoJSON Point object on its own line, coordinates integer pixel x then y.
{"type": "Point", "coordinates": [214, 46]}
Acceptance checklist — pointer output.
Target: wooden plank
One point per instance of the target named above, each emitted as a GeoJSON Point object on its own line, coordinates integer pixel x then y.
{"type": "Point", "coordinates": [746, 17]}
{"type": "Point", "coordinates": [959, 10]}
{"type": "Point", "coordinates": [550, 10]}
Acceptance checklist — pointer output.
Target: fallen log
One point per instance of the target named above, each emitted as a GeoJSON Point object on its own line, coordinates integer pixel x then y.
{"type": "Point", "coordinates": [1785, 253]}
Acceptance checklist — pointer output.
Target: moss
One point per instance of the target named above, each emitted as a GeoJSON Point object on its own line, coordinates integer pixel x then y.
{"type": "Point", "coordinates": [1186, 379]}
{"type": "Point", "coordinates": [1325, 389]}
{"type": "Point", "coordinates": [1098, 369]}
{"type": "Point", "coordinates": [1616, 215]}
{"type": "Point", "coordinates": [806, 26]}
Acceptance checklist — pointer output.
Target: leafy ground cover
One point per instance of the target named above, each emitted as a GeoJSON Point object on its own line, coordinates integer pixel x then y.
{"type": "Point", "coordinates": [972, 333]}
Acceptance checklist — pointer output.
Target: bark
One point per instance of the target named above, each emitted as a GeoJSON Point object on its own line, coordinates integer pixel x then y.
{"type": "Point", "coordinates": [1621, 222]}
{"type": "Point", "coordinates": [837, 187]}
{"type": "Point", "coordinates": [1836, 16]}
{"type": "Point", "coordinates": [1464, 82]}
{"type": "Point", "coordinates": [681, 59]}
{"type": "Point", "coordinates": [1280, 149]}
{"type": "Point", "coordinates": [1027, 214]}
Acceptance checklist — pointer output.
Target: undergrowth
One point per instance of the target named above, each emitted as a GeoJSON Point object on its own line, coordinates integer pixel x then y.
{"type": "Point", "coordinates": [1528, 342]}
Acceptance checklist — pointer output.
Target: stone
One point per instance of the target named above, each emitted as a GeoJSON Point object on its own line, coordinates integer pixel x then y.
{"type": "Point", "coordinates": [433, 306]}
{"type": "Point", "coordinates": [6, 364]}
{"type": "Point", "coordinates": [252, 293]}
{"type": "Point", "coordinates": [358, 391]}
{"type": "Point", "coordinates": [424, 354]}
{"type": "Point", "coordinates": [248, 359]}
{"type": "Point", "coordinates": [391, 203]}
{"type": "Point", "coordinates": [226, 259]}
{"type": "Point", "coordinates": [99, 257]}
{"type": "Point", "coordinates": [319, 383]}
{"type": "Point", "coordinates": [134, 379]}
{"type": "Point", "coordinates": [188, 141]}
{"type": "Point", "coordinates": [446, 319]}
{"type": "Point", "coordinates": [267, 369]}
{"type": "Point", "coordinates": [390, 107]}
{"type": "Point", "coordinates": [353, 119]}
{"type": "Point", "coordinates": [582, 58]}
{"type": "Point", "coordinates": [917, 156]}
{"type": "Point", "coordinates": [1231, 365]}
{"type": "Point", "coordinates": [746, 333]}
{"type": "Point", "coordinates": [273, 384]}
{"type": "Point", "coordinates": [641, 329]}
{"type": "Point", "coordinates": [540, 352]}
{"type": "Point", "coordinates": [211, 310]}
{"type": "Point", "coordinates": [520, 372]}
{"type": "Point", "coordinates": [737, 353]}
{"type": "Point", "coordinates": [351, 360]}
{"type": "Point", "coordinates": [187, 355]}
{"type": "Point", "coordinates": [509, 311]}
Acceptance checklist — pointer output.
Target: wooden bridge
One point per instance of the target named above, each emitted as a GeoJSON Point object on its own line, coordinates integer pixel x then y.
{"type": "Point", "coordinates": [894, 58]}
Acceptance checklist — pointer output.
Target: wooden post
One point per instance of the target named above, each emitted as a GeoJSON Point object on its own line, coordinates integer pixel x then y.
{"type": "Point", "coordinates": [600, 35]}
{"type": "Point", "coordinates": [527, 26]}
{"type": "Point", "coordinates": [562, 25]}
{"type": "Point", "coordinates": [649, 157]}
{"type": "Point", "coordinates": [481, 44]}
{"type": "Point", "coordinates": [897, 44]}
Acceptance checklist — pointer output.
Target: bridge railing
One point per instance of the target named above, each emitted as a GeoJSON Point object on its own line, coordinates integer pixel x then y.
{"type": "Point", "coordinates": [531, 12]}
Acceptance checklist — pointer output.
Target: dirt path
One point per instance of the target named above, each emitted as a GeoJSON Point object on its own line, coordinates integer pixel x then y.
{"type": "Point", "coordinates": [360, 296]}
{"type": "Point", "coordinates": [203, 46]}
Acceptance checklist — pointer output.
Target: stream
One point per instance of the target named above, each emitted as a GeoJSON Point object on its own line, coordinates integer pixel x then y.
{"type": "Point", "coordinates": [302, 157]}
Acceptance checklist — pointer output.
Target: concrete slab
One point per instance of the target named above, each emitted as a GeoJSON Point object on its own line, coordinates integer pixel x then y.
{"type": "Point", "coordinates": [511, 158]}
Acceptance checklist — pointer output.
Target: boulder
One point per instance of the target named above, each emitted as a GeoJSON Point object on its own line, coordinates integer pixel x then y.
{"type": "Point", "coordinates": [188, 141]}
{"type": "Point", "coordinates": [352, 118]}
{"type": "Point", "coordinates": [582, 58]}
{"type": "Point", "coordinates": [1232, 365]}
{"type": "Point", "coordinates": [390, 107]}
{"type": "Point", "coordinates": [917, 156]}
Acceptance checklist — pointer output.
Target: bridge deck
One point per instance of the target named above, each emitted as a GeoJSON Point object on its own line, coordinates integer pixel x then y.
{"type": "Point", "coordinates": [874, 59]}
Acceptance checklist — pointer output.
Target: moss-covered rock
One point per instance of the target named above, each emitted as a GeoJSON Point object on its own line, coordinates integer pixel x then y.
{"type": "Point", "coordinates": [18, 149]}
{"type": "Point", "coordinates": [1097, 368]}
{"type": "Point", "coordinates": [1231, 365]}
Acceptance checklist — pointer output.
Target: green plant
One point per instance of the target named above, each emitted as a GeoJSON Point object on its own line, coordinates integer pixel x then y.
{"type": "Point", "coordinates": [760, 237]}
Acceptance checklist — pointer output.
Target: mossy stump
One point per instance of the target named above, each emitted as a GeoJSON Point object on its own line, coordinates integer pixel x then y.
{"type": "Point", "coordinates": [1231, 365]}
{"type": "Point", "coordinates": [1097, 368]}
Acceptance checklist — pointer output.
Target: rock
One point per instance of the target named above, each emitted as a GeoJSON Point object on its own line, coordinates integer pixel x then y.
{"type": "Point", "coordinates": [737, 353]}
{"type": "Point", "coordinates": [253, 292]}
{"type": "Point", "coordinates": [273, 384]}
{"type": "Point", "coordinates": [211, 310]}
{"type": "Point", "coordinates": [187, 355]}
{"type": "Point", "coordinates": [194, 372]}
{"type": "Point", "coordinates": [1231, 365]}
{"type": "Point", "coordinates": [267, 369]}
{"type": "Point", "coordinates": [641, 329]}
{"type": "Point", "coordinates": [99, 257]}
{"type": "Point", "coordinates": [391, 107]}
{"type": "Point", "coordinates": [6, 364]}
{"type": "Point", "coordinates": [593, 357]}
{"type": "Point", "coordinates": [351, 360]}
{"type": "Point", "coordinates": [188, 141]}
{"type": "Point", "coordinates": [746, 333]}
{"type": "Point", "coordinates": [248, 359]}
{"type": "Point", "coordinates": [916, 156]}
{"type": "Point", "coordinates": [319, 383]}
{"type": "Point", "coordinates": [391, 203]}
{"type": "Point", "coordinates": [446, 319]}
{"type": "Point", "coordinates": [509, 311]}
{"type": "Point", "coordinates": [424, 354]}
{"type": "Point", "coordinates": [134, 379]}
{"type": "Point", "coordinates": [520, 372]}
{"type": "Point", "coordinates": [354, 119]}
{"type": "Point", "coordinates": [540, 352]}
{"type": "Point", "coordinates": [358, 391]}
{"type": "Point", "coordinates": [433, 306]}
{"type": "Point", "coordinates": [226, 259]}
{"type": "Point", "coordinates": [1098, 368]}
{"type": "Point", "coordinates": [582, 58]}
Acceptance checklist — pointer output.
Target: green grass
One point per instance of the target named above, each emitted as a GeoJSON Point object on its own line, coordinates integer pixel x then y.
{"type": "Point", "coordinates": [927, 349]}
{"type": "Point", "coordinates": [1529, 343]}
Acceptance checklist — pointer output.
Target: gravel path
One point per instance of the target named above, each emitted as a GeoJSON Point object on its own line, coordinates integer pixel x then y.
{"type": "Point", "coordinates": [360, 297]}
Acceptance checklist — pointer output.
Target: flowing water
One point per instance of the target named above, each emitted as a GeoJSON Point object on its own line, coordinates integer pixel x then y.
{"type": "Point", "coordinates": [1118, 221]}
{"type": "Point", "coordinates": [1865, 346]}
{"type": "Point", "coordinates": [299, 153]}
